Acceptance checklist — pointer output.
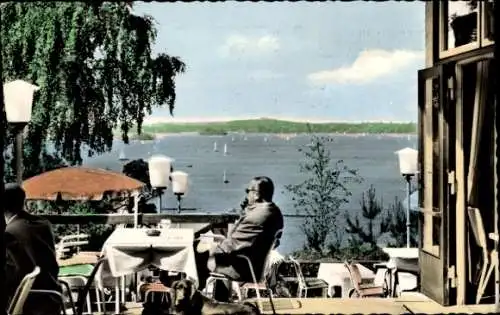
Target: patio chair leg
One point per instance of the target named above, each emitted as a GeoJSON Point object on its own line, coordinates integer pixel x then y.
{"type": "Point", "coordinates": [98, 299]}
{"type": "Point", "coordinates": [89, 304]}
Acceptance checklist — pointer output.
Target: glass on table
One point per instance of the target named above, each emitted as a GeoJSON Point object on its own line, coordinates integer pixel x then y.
{"type": "Point", "coordinates": [164, 224]}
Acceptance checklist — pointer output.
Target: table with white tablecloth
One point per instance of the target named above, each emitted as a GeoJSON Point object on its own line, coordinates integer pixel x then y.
{"type": "Point", "coordinates": [132, 250]}
{"type": "Point", "coordinates": [337, 275]}
{"type": "Point", "coordinates": [403, 263]}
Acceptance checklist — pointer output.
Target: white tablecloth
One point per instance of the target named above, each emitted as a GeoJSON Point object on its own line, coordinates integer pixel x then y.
{"type": "Point", "coordinates": [336, 274]}
{"type": "Point", "coordinates": [132, 250]}
{"type": "Point", "coordinates": [404, 259]}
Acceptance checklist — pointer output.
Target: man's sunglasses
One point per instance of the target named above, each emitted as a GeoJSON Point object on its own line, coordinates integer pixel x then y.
{"type": "Point", "coordinates": [249, 190]}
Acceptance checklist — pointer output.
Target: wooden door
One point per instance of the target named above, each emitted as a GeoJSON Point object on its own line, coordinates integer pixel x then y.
{"type": "Point", "coordinates": [436, 151]}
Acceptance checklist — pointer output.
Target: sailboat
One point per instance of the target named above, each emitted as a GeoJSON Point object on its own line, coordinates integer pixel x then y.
{"type": "Point", "coordinates": [232, 139]}
{"type": "Point", "coordinates": [224, 178]}
{"type": "Point", "coordinates": [215, 147]}
{"type": "Point", "coordinates": [225, 149]}
{"type": "Point", "coordinates": [122, 156]}
{"type": "Point", "coordinates": [265, 139]}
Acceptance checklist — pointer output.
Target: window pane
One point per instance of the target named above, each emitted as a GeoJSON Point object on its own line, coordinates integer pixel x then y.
{"type": "Point", "coordinates": [489, 20]}
{"type": "Point", "coordinates": [461, 24]}
{"type": "Point", "coordinates": [436, 231]}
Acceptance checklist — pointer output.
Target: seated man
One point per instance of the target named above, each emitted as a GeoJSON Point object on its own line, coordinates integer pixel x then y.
{"type": "Point", "coordinates": [253, 235]}
{"type": "Point", "coordinates": [29, 242]}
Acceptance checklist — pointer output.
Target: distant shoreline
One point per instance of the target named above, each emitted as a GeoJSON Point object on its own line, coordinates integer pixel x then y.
{"type": "Point", "coordinates": [273, 126]}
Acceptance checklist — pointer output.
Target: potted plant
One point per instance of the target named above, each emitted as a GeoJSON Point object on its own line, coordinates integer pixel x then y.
{"type": "Point", "coordinates": [465, 26]}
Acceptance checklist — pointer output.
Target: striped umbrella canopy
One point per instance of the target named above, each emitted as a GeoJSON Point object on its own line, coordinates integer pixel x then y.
{"type": "Point", "coordinates": [80, 183]}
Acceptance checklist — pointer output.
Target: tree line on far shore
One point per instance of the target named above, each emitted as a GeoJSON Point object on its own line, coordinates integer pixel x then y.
{"type": "Point", "coordinates": [282, 126]}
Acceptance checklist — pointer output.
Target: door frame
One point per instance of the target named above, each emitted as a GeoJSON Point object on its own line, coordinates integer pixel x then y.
{"type": "Point", "coordinates": [462, 250]}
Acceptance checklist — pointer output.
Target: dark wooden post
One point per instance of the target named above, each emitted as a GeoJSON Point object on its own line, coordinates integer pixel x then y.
{"type": "Point", "coordinates": [497, 132]}
{"type": "Point", "coordinates": [2, 218]}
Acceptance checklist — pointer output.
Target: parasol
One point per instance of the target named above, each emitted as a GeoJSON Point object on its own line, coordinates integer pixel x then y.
{"type": "Point", "coordinates": [79, 183]}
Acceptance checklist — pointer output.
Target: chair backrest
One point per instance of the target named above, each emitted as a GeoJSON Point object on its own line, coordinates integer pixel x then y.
{"type": "Point", "coordinates": [68, 241]}
{"type": "Point", "coordinates": [354, 274]}
{"type": "Point", "coordinates": [90, 280]}
{"type": "Point", "coordinates": [298, 271]}
{"type": "Point", "coordinates": [74, 281]}
{"type": "Point", "coordinates": [22, 292]}
{"type": "Point", "coordinates": [267, 262]}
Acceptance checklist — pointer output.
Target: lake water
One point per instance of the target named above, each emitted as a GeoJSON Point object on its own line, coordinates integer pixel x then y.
{"type": "Point", "coordinates": [269, 155]}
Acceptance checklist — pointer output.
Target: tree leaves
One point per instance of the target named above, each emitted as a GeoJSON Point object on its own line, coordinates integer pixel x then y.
{"type": "Point", "coordinates": [93, 63]}
{"type": "Point", "coordinates": [321, 195]}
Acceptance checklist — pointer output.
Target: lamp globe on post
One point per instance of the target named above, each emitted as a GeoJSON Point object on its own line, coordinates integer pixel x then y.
{"type": "Point", "coordinates": [408, 167]}
{"type": "Point", "coordinates": [179, 186]}
{"type": "Point", "coordinates": [159, 173]}
{"type": "Point", "coordinates": [18, 99]}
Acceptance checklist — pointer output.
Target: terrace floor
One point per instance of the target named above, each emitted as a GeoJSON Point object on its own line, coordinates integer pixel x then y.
{"type": "Point", "coordinates": [414, 303]}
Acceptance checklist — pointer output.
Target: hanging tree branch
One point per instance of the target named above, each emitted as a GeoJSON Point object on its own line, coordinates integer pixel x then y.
{"type": "Point", "coordinates": [94, 65]}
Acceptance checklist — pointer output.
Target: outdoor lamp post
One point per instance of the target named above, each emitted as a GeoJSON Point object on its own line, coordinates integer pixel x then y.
{"type": "Point", "coordinates": [18, 97]}
{"type": "Point", "coordinates": [179, 186]}
{"type": "Point", "coordinates": [159, 173]}
{"type": "Point", "coordinates": [408, 166]}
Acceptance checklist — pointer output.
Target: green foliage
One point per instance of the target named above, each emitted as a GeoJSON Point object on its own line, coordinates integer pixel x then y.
{"type": "Point", "coordinates": [144, 136]}
{"type": "Point", "coordinates": [367, 231]}
{"type": "Point", "coordinates": [280, 126]}
{"type": "Point", "coordinates": [98, 233]}
{"type": "Point", "coordinates": [48, 162]}
{"type": "Point", "coordinates": [138, 169]}
{"type": "Point", "coordinates": [396, 224]}
{"type": "Point", "coordinates": [93, 64]}
{"type": "Point", "coordinates": [321, 194]}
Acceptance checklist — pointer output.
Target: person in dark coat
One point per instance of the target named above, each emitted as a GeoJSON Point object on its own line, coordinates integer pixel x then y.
{"type": "Point", "coordinates": [29, 242]}
{"type": "Point", "coordinates": [252, 235]}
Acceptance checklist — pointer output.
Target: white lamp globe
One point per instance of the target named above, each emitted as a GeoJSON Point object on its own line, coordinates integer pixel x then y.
{"type": "Point", "coordinates": [159, 170]}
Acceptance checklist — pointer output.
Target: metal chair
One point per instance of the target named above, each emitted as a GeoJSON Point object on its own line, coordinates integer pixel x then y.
{"type": "Point", "coordinates": [58, 295]}
{"type": "Point", "coordinates": [155, 287]}
{"type": "Point", "coordinates": [82, 294]}
{"type": "Point", "coordinates": [307, 284]}
{"type": "Point", "coordinates": [257, 283]}
{"type": "Point", "coordinates": [78, 282]}
{"type": "Point", "coordinates": [69, 241]}
{"type": "Point", "coordinates": [362, 290]}
{"type": "Point", "coordinates": [19, 299]}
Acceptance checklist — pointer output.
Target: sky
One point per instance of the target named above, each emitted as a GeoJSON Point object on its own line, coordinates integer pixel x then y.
{"type": "Point", "coordinates": [305, 61]}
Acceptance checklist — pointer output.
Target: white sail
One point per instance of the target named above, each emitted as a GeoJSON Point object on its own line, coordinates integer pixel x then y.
{"type": "Point", "coordinates": [224, 177]}
{"type": "Point", "coordinates": [225, 149]}
{"type": "Point", "coordinates": [215, 146]}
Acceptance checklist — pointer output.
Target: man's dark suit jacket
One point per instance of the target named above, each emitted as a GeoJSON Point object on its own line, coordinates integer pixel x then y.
{"type": "Point", "coordinates": [252, 236]}
{"type": "Point", "coordinates": [29, 242]}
